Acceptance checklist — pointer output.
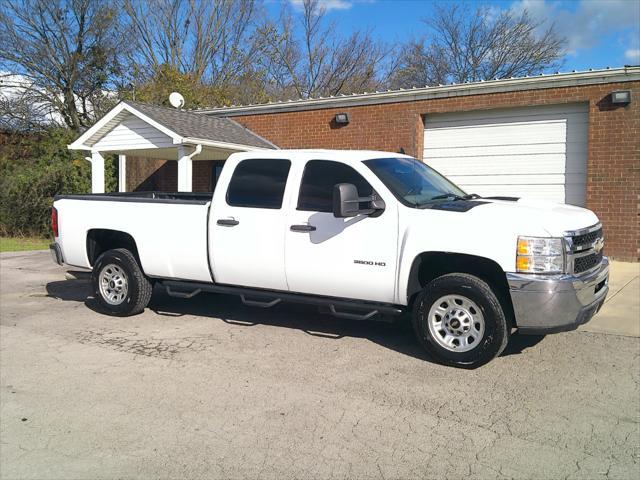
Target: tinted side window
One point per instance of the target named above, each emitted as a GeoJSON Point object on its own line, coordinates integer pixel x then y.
{"type": "Point", "coordinates": [318, 180]}
{"type": "Point", "coordinates": [258, 183]}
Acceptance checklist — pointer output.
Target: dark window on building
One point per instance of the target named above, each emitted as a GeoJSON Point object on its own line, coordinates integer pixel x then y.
{"type": "Point", "coordinates": [258, 183]}
{"type": "Point", "coordinates": [216, 170]}
{"type": "Point", "coordinates": [318, 180]}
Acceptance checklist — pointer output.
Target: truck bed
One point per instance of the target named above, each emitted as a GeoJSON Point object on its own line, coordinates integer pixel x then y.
{"type": "Point", "coordinates": [200, 198]}
{"type": "Point", "coordinates": [172, 226]}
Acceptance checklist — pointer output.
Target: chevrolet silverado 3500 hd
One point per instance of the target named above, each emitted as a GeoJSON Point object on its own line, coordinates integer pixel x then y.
{"type": "Point", "coordinates": [364, 234]}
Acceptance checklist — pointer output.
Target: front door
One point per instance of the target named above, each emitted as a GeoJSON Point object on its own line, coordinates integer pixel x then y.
{"type": "Point", "coordinates": [339, 257]}
{"type": "Point", "coordinates": [247, 225]}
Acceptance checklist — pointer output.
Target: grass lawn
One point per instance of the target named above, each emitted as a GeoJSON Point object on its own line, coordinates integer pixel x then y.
{"type": "Point", "coordinates": [20, 244]}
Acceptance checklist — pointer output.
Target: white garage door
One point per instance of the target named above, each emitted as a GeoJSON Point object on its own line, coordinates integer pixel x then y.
{"type": "Point", "coordinates": [535, 152]}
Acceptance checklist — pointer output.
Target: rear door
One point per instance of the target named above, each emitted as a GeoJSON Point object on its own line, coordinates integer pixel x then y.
{"type": "Point", "coordinates": [340, 257]}
{"type": "Point", "coordinates": [247, 224]}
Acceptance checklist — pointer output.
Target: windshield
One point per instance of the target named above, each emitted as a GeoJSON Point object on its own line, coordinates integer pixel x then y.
{"type": "Point", "coordinates": [412, 182]}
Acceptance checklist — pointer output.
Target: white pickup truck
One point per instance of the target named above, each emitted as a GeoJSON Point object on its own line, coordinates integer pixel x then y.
{"type": "Point", "coordinates": [365, 234]}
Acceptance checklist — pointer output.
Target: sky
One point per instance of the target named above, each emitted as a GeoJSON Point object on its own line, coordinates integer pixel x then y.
{"type": "Point", "coordinates": [600, 33]}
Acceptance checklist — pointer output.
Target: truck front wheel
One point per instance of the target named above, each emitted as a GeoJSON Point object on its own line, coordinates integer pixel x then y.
{"type": "Point", "coordinates": [119, 285]}
{"type": "Point", "coordinates": [459, 321]}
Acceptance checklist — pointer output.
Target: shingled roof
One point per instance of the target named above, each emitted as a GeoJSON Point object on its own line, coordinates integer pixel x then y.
{"type": "Point", "coordinates": [197, 125]}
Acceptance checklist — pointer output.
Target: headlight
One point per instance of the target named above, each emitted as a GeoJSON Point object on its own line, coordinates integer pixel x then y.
{"type": "Point", "coordinates": [539, 255]}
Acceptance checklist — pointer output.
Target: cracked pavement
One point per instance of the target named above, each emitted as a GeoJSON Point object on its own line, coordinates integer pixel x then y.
{"type": "Point", "coordinates": [209, 388]}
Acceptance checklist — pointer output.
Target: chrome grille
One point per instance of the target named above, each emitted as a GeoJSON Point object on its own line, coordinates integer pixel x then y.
{"type": "Point", "coordinates": [587, 239]}
{"type": "Point", "coordinates": [584, 249]}
{"type": "Point", "coordinates": [586, 262]}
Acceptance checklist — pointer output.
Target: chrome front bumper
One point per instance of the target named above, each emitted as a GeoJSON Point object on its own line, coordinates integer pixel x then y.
{"type": "Point", "coordinates": [557, 303]}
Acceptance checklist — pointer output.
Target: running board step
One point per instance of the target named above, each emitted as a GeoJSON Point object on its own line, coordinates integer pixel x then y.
{"type": "Point", "coordinates": [173, 293]}
{"type": "Point", "coordinates": [258, 303]}
{"type": "Point", "coordinates": [352, 316]}
{"type": "Point", "coordinates": [341, 308]}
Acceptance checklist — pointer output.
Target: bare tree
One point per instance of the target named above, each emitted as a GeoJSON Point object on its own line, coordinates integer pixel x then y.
{"type": "Point", "coordinates": [210, 40]}
{"type": "Point", "coordinates": [64, 52]}
{"type": "Point", "coordinates": [420, 64]}
{"type": "Point", "coordinates": [18, 111]}
{"type": "Point", "coordinates": [322, 62]}
{"type": "Point", "coordinates": [467, 45]}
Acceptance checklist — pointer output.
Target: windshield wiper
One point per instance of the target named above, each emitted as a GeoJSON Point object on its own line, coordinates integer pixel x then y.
{"type": "Point", "coordinates": [444, 196]}
{"type": "Point", "coordinates": [455, 196]}
{"type": "Point", "coordinates": [452, 196]}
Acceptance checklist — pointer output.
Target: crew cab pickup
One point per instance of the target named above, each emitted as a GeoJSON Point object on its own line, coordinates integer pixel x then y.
{"type": "Point", "coordinates": [363, 234]}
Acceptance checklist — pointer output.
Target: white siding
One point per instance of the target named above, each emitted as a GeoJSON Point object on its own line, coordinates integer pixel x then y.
{"type": "Point", "coordinates": [133, 134]}
{"type": "Point", "coordinates": [536, 152]}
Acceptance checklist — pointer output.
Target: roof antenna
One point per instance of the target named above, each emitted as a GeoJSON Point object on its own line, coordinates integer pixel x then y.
{"type": "Point", "coordinates": [176, 100]}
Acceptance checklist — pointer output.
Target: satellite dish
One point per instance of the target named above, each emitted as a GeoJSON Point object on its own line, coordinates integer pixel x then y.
{"type": "Point", "coordinates": [176, 100]}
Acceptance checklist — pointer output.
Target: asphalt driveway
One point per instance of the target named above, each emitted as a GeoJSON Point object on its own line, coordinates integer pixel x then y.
{"type": "Point", "coordinates": [212, 389]}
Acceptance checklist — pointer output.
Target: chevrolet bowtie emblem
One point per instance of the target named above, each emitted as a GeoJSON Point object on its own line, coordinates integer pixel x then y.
{"type": "Point", "coordinates": [598, 245]}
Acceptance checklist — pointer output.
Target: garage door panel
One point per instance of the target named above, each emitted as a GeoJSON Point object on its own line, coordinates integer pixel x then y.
{"type": "Point", "coordinates": [573, 124]}
{"type": "Point", "coordinates": [499, 135]}
{"type": "Point", "coordinates": [575, 112]}
{"type": "Point", "coordinates": [508, 179]}
{"type": "Point", "coordinates": [495, 150]}
{"type": "Point", "coordinates": [573, 154]}
{"type": "Point", "coordinates": [490, 165]}
{"type": "Point", "coordinates": [516, 164]}
{"type": "Point", "coordinates": [474, 181]}
{"type": "Point", "coordinates": [571, 148]}
{"type": "Point", "coordinates": [553, 193]}
{"type": "Point", "coordinates": [538, 152]}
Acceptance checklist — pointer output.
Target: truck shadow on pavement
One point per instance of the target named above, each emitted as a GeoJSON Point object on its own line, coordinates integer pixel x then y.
{"type": "Point", "coordinates": [396, 335]}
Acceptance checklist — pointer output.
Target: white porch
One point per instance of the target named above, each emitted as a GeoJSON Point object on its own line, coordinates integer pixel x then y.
{"type": "Point", "coordinates": [144, 131]}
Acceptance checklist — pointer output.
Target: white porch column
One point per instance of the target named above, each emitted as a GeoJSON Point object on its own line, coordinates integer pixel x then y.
{"type": "Point", "coordinates": [122, 173]}
{"type": "Point", "coordinates": [185, 170]}
{"type": "Point", "coordinates": [97, 172]}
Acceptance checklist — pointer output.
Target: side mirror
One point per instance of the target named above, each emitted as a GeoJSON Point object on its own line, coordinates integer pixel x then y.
{"type": "Point", "coordinates": [346, 202]}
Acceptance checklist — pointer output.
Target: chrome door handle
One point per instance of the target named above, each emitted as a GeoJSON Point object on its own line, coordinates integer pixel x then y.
{"type": "Point", "coordinates": [303, 228]}
{"type": "Point", "coordinates": [228, 222]}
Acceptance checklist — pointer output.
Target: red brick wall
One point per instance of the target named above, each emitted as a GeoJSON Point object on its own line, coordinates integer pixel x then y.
{"type": "Point", "coordinates": [202, 175]}
{"type": "Point", "coordinates": [145, 174]}
{"type": "Point", "coordinates": [613, 184]}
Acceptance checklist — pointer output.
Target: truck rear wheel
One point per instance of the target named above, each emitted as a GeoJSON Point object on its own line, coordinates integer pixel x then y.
{"type": "Point", "coordinates": [119, 285]}
{"type": "Point", "coordinates": [459, 321]}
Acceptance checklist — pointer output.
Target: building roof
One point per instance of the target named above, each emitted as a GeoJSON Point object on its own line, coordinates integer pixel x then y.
{"type": "Point", "coordinates": [195, 125]}
{"type": "Point", "coordinates": [161, 127]}
{"type": "Point", "coordinates": [571, 79]}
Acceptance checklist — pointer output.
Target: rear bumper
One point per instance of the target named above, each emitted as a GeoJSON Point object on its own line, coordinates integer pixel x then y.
{"type": "Point", "coordinates": [557, 303]}
{"type": "Point", "coordinates": [56, 253]}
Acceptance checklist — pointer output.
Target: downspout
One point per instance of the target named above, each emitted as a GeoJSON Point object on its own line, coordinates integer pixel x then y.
{"type": "Point", "coordinates": [197, 151]}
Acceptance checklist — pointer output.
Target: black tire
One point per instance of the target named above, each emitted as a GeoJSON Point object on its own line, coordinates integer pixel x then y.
{"type": "Point", "coordinates": [496, 332]}
{"type": "Point", "coordinates": [139, 288]}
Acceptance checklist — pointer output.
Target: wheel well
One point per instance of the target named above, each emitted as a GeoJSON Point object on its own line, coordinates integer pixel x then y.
{"type": "Point", "coordinates": [100, 240]}
{"type": "Point", "coordinates": [430, 265]}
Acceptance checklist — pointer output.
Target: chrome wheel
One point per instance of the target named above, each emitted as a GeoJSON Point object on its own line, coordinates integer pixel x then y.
{"type": "Point", "coordinates": [456, 323]}
{"type": "Point", "coordinates": [113, 284]}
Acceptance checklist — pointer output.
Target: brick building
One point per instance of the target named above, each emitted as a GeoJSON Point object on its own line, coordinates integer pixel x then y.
{"type": "Point", "coordinates": [571, 137]}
